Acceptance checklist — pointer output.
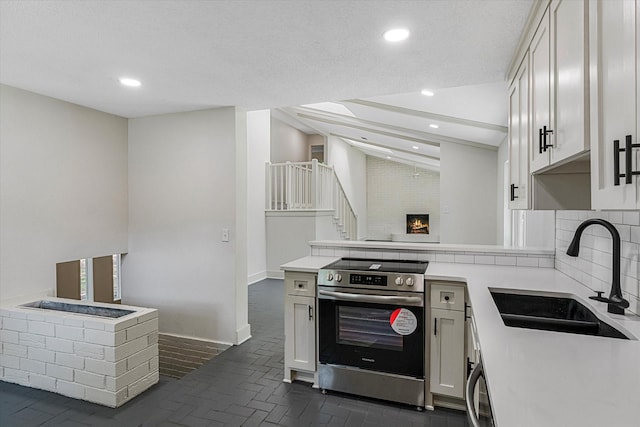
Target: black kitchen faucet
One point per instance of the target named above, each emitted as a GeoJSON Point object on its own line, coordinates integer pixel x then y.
{"type": "Point", "coordinates": [616, 303]}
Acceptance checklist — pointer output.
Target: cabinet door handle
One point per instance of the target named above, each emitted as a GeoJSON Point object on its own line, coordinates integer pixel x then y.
{"type": "Point", "coordinates": [616, 162]}
{"type": "Point", "coordinates": [539, 141]}
{"type": "Point", "coordinates": [628, 172]}
{"type": "Point", "coordinates": [628, 160]}
{"type": "Point", "coordinates": [513, 192]}
{"type": "Point", "coordinates": [310, 313]}
{"type": "Point", "coordinates": [435, 326]}
{"type": "Point", "coordinates": [545, 131]}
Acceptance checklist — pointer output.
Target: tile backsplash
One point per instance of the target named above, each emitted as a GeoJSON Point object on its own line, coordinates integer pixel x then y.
{"type": "Point", "coordinates": [593, 266]}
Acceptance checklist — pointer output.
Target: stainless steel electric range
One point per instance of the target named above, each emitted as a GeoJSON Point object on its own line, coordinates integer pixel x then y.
{"type": "Point", "coordinates": [371, 338]}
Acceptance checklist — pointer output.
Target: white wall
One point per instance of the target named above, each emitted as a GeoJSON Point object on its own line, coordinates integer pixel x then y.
{"type": "Point", "coordinates": [182, 193]}
{"type": "Point", "coordinates": [350, 165]}
{"type": "Point", "coordinates": [287, 143]}
{"type": "Point", "coordinates": [393, 192]}
{"type": "Point", "coordinates": [258, 154]}
{"type": "Point", "coordinates": [468, 177]}
{"type": "Point", "coordinates": [63, 188]}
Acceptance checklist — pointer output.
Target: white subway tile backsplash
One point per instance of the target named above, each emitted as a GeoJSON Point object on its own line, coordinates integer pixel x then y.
{"type": "Point", "coordinates": [445, 258]}
{"type": "Point", "coordinates": [526, 261]}
{"type": "Point", "coordinates": [485, 259]}
{"type": "Point", "coordinates": [546, 262]}
{"type": "Point", "coordinates": [463, 259]}
{"type": "Point", "coordinates": [594, 268]}
{"type": "Point", "coordinates": [505, 260]}
{"type": "Point", "coordinates": [631, 217]}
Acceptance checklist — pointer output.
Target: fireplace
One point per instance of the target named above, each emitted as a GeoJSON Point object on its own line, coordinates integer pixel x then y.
{"type": "Point", "coordinates": [417, 223]}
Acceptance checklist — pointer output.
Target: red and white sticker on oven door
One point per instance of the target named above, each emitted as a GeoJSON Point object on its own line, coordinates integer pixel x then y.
{"type": "Point", "coordinates": [403, 321]}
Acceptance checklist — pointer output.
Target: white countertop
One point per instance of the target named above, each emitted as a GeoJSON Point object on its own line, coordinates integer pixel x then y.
{"type": "Point", "coordinates": [550, 379]}
{"type": "Point", "coordinates": [541, 378]}
{"type": "Point", "coordinates": [308, 264]}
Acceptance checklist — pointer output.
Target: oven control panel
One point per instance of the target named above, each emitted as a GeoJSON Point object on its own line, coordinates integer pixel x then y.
{"type": "Point", "coordinates": [367, 280]}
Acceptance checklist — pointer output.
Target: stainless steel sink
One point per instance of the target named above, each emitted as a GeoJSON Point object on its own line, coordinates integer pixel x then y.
{"type": "Point", "coordinates": [550, 312]}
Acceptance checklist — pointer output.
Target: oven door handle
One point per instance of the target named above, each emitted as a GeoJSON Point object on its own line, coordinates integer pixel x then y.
{"type": "Point", "coordinates": [371, 298]}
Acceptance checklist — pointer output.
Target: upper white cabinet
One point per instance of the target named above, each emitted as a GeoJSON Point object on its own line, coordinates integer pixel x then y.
{"type": "Point", "coordinates": [519, 194]}
{"type": "Point", "coordinates": [615, 103]}
{"type": "Point", "coordinates": [559, 85]}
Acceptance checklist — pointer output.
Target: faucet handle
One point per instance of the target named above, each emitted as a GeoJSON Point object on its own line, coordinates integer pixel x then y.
{"type": "Point", "coordinates": [599, 297]}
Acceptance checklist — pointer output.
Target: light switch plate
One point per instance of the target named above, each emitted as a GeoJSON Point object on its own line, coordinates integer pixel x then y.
{"type": "Point", "coordinates": [225, 234]}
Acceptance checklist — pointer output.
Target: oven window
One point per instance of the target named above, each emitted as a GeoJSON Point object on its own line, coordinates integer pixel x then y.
{"type": "Point", "coordinates": [367, 327]}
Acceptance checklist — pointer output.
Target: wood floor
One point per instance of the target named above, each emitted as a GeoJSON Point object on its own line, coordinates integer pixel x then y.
{"type": "Point", "coordinates": [179, 356]}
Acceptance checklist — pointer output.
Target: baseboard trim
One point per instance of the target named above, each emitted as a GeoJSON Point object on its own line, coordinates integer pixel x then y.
{"type": "Point", "coordinates": [243, 334]}
{"type": "Point", "coordinates": [275, 274]}
{"type": "Point", "coordinates": [224, 345]}
{"type": "Point", "coordinates": [255, 278]}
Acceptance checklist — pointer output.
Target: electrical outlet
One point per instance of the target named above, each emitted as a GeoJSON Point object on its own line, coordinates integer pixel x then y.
{"type": "Point", "coordinates": [225, 234]}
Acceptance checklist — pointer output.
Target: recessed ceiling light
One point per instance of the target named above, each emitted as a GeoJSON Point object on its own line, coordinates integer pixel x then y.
{"type": "Point", "coordinates": [396, 35]}
{"type": "Point", "coordinates": [126, 81]}
{"type": "Point", "coordinates": [388, 157]}
{"type": "Point", "coordinates": [415, 147]}
{"type": "Point", "coordinates": [427, 92]}
{"type": "Point", "coordinates": [434, 126]}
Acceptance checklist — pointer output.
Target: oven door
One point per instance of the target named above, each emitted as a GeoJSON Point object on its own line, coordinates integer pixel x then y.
{"type": "Point", "coordinates": [368, 330]}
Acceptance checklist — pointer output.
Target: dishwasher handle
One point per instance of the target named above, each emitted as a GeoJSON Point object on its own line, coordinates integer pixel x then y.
{"type": "Point", "coordinates": [472, 381]}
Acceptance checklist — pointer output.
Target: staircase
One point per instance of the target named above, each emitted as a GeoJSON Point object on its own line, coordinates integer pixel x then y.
{"type": "Point", "coordinates": [310, 186]}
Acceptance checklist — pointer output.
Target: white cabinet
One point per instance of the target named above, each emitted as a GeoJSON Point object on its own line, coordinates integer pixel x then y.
{"type": "Point", "coordinates": [519, 138]}
{"type": "Point", "coordinates": [447, 343]}
{"type": "Point", "coordinates": [300, 327]}
{"type": "Point", "coordinates": [559, 86]}
{"type": "Point", "coordinates": [615, 102]}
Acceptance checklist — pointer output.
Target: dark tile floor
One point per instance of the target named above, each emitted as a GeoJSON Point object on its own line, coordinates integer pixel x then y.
{"type": "Point", "coordinates": [240, 387]}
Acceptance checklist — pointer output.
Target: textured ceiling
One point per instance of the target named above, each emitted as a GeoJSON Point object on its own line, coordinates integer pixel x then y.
{"type": "Point", "coordinates": [254, 54]}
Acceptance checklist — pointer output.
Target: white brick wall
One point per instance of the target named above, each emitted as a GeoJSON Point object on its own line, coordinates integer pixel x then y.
{"type": "Point", "coordinates": [105, 361]}
{"type": "Point", "coordinates": [394, 193]}
{"type": "Point", "coordinates": [592, 267]}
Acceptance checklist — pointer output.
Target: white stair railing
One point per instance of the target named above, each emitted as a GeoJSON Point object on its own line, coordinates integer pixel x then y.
{"type": "Point", "coordinates": [310, 186]}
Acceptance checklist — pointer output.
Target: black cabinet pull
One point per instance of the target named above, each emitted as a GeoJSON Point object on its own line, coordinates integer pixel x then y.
{"type": "Point", "coordinates": [628, 161]}
{"type": "Point", "coordinates": [616, 162]}
{"type": "Point", "coordinates": [466, 307]}
{"type": "Point", "coordinates": [627, 157]}
{"type": "Point", "coordinates": [310, 313]}
{"type": "Point", "coordinates": [539, 141]}
{"type": "Point", "coordinates": [513, 192]}
{"type": "Point", "coordinates": [435, 326]}
{"type": "Point", "coordinates": [545, 131]}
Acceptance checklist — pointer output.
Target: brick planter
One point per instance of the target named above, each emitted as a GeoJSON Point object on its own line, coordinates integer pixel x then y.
{"type": "Point", "coordinates": [102, 360]}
